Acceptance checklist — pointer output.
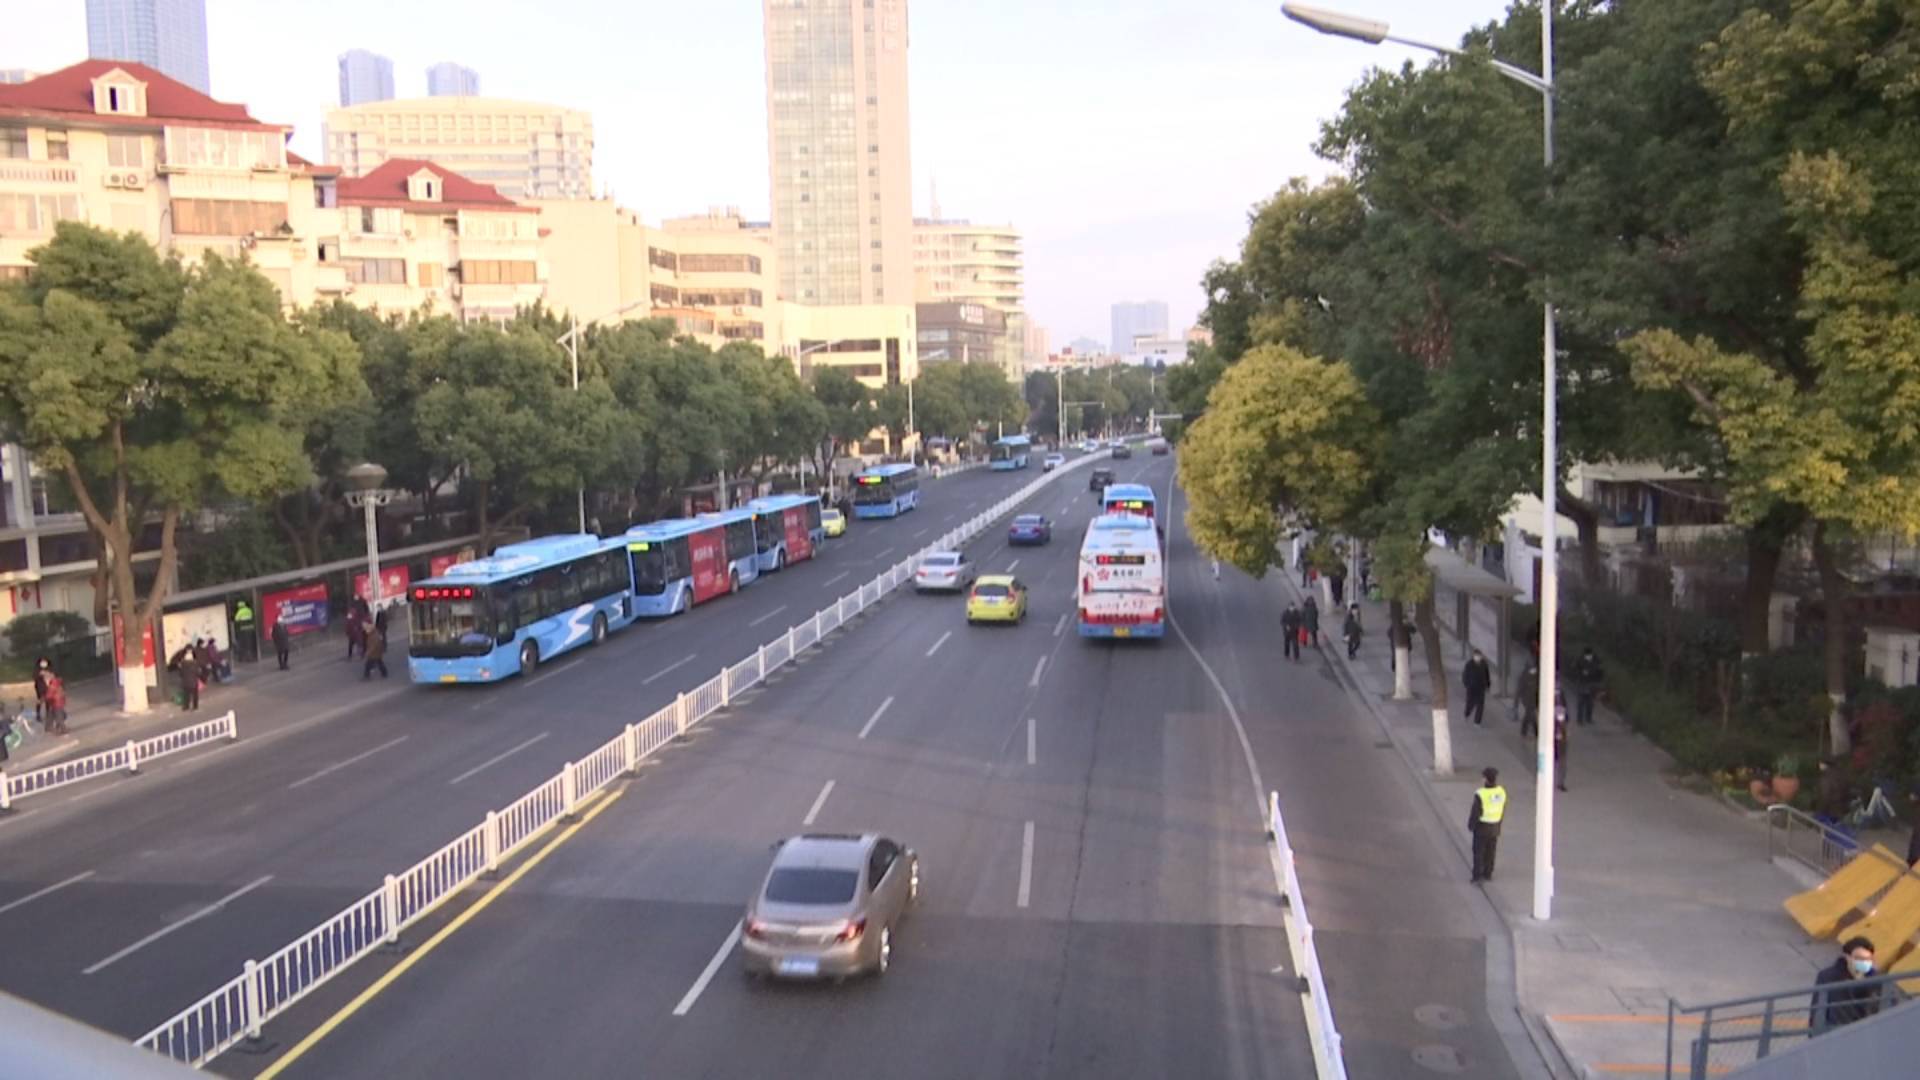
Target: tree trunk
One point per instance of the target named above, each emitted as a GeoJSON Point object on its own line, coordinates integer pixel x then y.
{"type": "Point", "coordinates": [1402, 651]}
{"type": "Point", "coordinates": [1586, 521]}
{"type": "Point", "coordinates": [1437, 676]}
{"type": "Point", "coordinates": [295, 533]}
{"type": "Point", "coordinates": [1766, 542]}
{"type": "Point", "coordinates": [1833, 598]}
{"type": "Point", "coordinates": [483, 493]}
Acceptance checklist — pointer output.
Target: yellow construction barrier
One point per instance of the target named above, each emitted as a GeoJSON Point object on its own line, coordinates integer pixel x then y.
{"type": "Point", "coordinates": [1820, 910]}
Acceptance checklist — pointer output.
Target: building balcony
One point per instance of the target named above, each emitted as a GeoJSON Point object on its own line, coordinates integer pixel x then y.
{"type": "Point", "coordinates": [38, 172]}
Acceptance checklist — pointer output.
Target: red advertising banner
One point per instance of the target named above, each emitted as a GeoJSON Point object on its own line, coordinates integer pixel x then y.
{"type": "Point", "coordinates": [799, 540]}
{"type": "Point", "coordinates": [303, 608]}
{"type": "Point", "coordinates": [709, 550]}
{"type": "Point", "coordinates": [393, 584]}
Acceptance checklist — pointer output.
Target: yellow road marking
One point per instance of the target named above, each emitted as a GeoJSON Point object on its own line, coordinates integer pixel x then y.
{"type": "Point", "coordinates": [367, 995]}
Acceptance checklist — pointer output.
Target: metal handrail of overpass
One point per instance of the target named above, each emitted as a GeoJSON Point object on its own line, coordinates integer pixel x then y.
{"type": "Point", "coordinates": [1736, 1033]}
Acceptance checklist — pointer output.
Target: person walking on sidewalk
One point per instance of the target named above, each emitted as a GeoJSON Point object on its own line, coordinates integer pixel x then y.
{"type": "Point", "coordinates": [1528, 698]}
{"type": "Point", "coordinates": [1310, 622]}
{"type": "Point", "coordinates": [375, 655]}
{"type": "Point", "coordinates": [1337, 582]}
{"type": "Point", "coordinates": [1483, 821]}
{"type": "Point", "coordinates": [1350, 630]}
{"type": "Point", "coordinates": [282, 642]}
{"type": "Point", "coordinates": [187, 666]}
{"type": "Point", "coordinates": [356, 633]}
{"type": "Point", "coordinates": [42, 671]}
{"type": "Point", "coordinates": [1588, 677]}
{"type": "Point", "coordinates": [1290, 632]}
{"type": "Point", "coordinates": [1834, 1001]}
{"type": "Point", "coordinates": [1560, 745]}
{"type": "Point", "coordinates": [1476, 677]}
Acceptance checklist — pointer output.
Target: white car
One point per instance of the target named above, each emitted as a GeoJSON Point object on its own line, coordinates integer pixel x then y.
{"type": "Point", "coordinates": [944, 571]}
{"type": "Point", "coordinates": [1052, 462]}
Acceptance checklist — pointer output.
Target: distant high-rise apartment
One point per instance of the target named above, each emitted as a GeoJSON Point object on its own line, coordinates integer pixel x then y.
{"type": "Point", "coordinates": [452, 80]}
{"type": "Point", "coordinates": [837, 147]}
{"type": "Point", "coordinates": [365, 77]}
{"type": "Point", "coordinates": [169, 36]}
{"type": "Point", "coordinates": [956, 262]}
{"type": "Point", "coordinates": [525, 150]}
{"type": "Point", "coordinates": [1134, 319]}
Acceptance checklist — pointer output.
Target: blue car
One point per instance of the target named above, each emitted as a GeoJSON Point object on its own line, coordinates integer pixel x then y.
{"type": "Point", "coordinates": [1029, 529]}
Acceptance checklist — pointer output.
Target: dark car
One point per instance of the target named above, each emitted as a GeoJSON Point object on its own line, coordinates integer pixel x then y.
{"type": "Point", "coordinates": [1122, 451]}
{"type": "Point", "coordinates": [1098, 479]}
{"type": "Point", "coordinates": [1029, 529]}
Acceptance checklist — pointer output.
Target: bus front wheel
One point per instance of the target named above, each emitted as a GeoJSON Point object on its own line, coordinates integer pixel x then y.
{"type": "Point", "coordinates": [529, 658]}
{"type": "Point", "coordinates": [780, 559]}
{"type": "Point", "coordinates": [599, 629]}
{"type": "Point", "coordinates": [733, 581]}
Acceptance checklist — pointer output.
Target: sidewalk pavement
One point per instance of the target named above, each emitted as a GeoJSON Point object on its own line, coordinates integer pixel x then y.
{"type": "Point", "coordinates": [95, 721]}
{"type": "Point", "coordinates": [1660, 892]}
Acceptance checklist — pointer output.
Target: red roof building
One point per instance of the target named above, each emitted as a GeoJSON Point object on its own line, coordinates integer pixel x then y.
{"type": "Point", "coordinates": [423, 187]}
{"type": "Point", "coordinates": [84, 94]}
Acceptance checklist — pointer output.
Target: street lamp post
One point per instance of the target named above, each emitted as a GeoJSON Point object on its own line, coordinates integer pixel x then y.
{"type": "Point", "coordinates": [1374, 32]}
{"type": "Point", "coordinates": [571, 339]}
{"type": "Point", "coordinates": [364, 490]}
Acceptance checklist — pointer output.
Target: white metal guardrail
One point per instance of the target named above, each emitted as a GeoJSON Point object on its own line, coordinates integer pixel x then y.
{"type": "Point", "coordinates": [265, 988]}
{"type": "Point", "coordinates": [1329, 1063]}
{"type": "Point", "coordinates": [127, 757]}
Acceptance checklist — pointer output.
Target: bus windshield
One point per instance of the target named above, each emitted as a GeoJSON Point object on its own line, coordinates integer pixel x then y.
{"type": "Point", "coordinates": [458, 627]}
{"type": "Point", "coordinates": [872, 491]}
{"type": "Point", "coordinates": [649, 569]}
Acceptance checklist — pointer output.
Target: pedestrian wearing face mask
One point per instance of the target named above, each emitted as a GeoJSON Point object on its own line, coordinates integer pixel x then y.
{"type": "Point", "coordinates": [1836, 999]}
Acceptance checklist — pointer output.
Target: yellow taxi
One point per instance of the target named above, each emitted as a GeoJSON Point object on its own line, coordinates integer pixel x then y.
{"type": "Point", "coordinates": [833, 522]}
{"type": "Point", "coordinates": [997, 598]}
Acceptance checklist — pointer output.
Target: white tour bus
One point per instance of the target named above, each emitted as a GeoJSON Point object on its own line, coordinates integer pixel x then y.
{"type": "Point", "coordinates": [1123, 587]}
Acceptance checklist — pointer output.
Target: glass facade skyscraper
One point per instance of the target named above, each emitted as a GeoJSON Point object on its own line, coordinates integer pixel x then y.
{"type": "Point", "coordinates": [365, 77]}
{"type": "Point", "coordinates": [452, 80]}
{"type": "Point", "coordinates": [169, 36]}
{"type": "Point", "coordinates": [837, 144]}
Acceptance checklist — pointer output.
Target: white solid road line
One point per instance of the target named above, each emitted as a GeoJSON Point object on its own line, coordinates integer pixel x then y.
{"type": "Point", "coordinates": [1026, 866]}
{"type": "Point", "coordinates": [670, 668]}
{"type": "Point", "coordinates": [1061, 626]}
{"type": "Point", "coordinates": [882, 553]}
{"type": "Point", "coordinates": [871, 720]}
{"type": "Point", "coordinates": [836, 577]}
{"type": "Point", "coordinates": [57, 886]}
{"type": "Point", "coordinates": [937, 644]}
{"type": "Point", "coordinates": [921, 533]}
{"type": "Point", "coordinates": [768, 615]}
{"type": "Point", "coordinates": [819, 802]}
{"type": "Point", "coordinates": [172, 926]}
{"type": "Point", "coordinates": [1012, 564]}
{"type": "Point", "coordinates": [354, 760]}
{"type": "Point", "coordinates": [1031, 754]}
{"type": "Point", "coordinates": [497, 759]}
{"type": "Point", "coordinates": [713, 968]}
{"type": "Point", "coordinates": [1039, 666]}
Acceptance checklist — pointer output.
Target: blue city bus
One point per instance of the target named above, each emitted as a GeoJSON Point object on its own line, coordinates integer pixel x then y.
{"type": "Point", "coordinates": [1011, 452]}
{"type": "Point", "coordinates": [681, 562]}
{"type": "Point", "coordinates": [885, 491]}
{"type": "Point", "coordinates": [527, 603]}
{"type": "Point", "coordinates": [1127, 499]}
{"type": "Point", "coordinates": [786, 529]}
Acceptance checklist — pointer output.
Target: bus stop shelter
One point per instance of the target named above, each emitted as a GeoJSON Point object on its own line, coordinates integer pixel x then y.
{"type": "Point", "coordinates": [1477, 608]}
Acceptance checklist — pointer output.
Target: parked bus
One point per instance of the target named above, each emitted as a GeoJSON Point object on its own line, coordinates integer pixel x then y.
{"type": "Point", "coordinates": [1011, 452]}
{"type": "Point", "coordinates": [1123, 588]}
{"type": "Point", "coordinates": [681, 562]}
{"type": "Point", "coordinates": [484, 620]}
{"type": "Point", "coordinates": [885, 491]}
{"type": "Point", "coordinates": [786, 529]}
{"type": "Point", "coordinates": [1127, 499]}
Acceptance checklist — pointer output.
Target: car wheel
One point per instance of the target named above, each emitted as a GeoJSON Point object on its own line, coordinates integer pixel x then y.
{"type": "Point", "coordinates": [529, 658]}
{"type": "Point", "coordinates": [599, 629]}
{"type": "Point", "coordinates": [686, 602]}
{"type": "Point", "coordinates": [885, 960]}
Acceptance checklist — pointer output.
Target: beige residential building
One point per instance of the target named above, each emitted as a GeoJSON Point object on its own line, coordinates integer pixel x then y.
{"type": "Point", "coordinates": [715, 275]}
{"type": "Point", "coordinates": [522, 149]}
{"type": "Point", "coordinates": [875, 343]}
{"type": "Point", "coordinates": [837, 149]}
{"type": "Point", "coordinates": [958, 262]}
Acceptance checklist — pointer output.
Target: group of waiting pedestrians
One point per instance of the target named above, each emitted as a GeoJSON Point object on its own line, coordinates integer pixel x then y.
{"type": "Point", "coordinates": [367, 633]}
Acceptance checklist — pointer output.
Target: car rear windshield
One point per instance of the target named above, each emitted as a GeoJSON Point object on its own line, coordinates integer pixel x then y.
{"type": "Point", "coordinates": [941, 560]}
{"type": "Point", "coordinates": [990, 590]}
{"type": "Point", "coordinates": [1027, 519]}
{"type": "Point", "coordinates": [812, 885]}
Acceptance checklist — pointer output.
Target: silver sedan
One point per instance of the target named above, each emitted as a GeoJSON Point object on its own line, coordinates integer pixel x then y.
{"type": "Point", "coordinates": [828, 906]}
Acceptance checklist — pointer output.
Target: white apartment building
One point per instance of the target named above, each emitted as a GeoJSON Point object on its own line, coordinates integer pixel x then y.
{"type": "Point", "coordinates": [522, 149]}
{"type": "Point", "coordinates": [958, 262]}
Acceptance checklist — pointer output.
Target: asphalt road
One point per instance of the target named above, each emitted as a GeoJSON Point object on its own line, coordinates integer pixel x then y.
{"type": "Point", "coordinates": [129, 899]}
{"type": "Point", "coordinates": [1097, 898]}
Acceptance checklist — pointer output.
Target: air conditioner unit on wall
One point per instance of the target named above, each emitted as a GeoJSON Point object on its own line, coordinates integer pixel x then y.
{"type": "Point", "coordinates": [133, 181]}
{"type": "Point", "coordinates": [114, 179]}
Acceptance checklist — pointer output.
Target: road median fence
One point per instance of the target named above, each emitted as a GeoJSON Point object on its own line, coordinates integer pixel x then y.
{"type": "Point", "coordinates": [265, 988]}
{"type": "Point", "coordinates": [1329, 1062]}
{"type": "Point", "coordinates": [125, 758]}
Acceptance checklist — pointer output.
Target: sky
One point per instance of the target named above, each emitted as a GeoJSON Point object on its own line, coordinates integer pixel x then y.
{"type": "Point", "coordinates": [1126, 138]}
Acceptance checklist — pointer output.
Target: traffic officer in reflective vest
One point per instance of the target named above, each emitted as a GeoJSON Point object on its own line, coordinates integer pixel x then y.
{"type": "Point", "coordinates": [246, 645]}
{"type": "Point", "coordinates": [1483, 821]}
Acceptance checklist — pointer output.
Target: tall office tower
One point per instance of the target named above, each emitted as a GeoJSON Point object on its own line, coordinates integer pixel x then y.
{"type": "Point", "coordinates": [365, 77]}
{"type": "Point", "coordinates": [452, 80]}
{"type": "Point", "coordinates": [837, 147]}
{"type": "Point", "coordinates": [1131, 319]}
{"type": "Point", "coordinates": [169, 36]}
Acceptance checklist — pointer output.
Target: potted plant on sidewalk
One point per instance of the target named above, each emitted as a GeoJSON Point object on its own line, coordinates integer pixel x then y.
{"type": "Point", "coordinates": [1786, 777]}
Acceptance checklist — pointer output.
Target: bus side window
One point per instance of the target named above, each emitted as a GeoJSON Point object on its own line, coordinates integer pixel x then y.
{"type": "Point", "coordinates": [504, 622]}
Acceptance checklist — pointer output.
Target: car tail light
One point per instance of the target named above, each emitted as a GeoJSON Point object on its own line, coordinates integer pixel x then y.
{"type": "Point", "coordinates": [756, 929]}
{"type": "Point", "coordinates": [851, 931]}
